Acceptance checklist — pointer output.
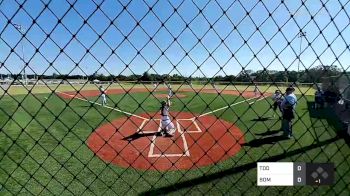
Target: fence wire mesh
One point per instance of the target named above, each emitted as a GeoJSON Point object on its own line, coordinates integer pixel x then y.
{"type": "Point", "coordinates": [171, 97]}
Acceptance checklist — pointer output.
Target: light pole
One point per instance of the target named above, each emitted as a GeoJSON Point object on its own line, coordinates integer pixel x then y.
{"type": "Point", "coordinates": [301, 35]}
{"type": "Point", "coordinates": [21, 29]}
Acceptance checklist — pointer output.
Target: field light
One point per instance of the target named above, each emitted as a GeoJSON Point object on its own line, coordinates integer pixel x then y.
{"type": "Point", "coordinates": [21, 29]}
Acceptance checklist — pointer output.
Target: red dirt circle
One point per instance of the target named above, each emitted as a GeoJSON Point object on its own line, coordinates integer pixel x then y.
{"type": "Point", "coordinates": [134, 142]}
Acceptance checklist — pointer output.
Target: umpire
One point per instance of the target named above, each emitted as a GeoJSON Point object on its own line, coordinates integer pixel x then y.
{"type": "Point", "coordinates": [288, 108]}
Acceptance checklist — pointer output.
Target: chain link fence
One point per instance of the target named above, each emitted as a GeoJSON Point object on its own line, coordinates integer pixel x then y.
{"type": "Point", "coordinates": [139, 97]}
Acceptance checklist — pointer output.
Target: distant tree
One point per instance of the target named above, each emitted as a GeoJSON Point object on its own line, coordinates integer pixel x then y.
{"type": "Point", "coordinates": [54, 75]}
{"type": "Point", "coordinates": [121, 77]}
{"type": "Point", "coordinates": [218, 78]}
{"type": "Point", "coordinates": [315, 74]}
{"type": "Point", "coordinates": [155, 77]}
{"type": "Point", "coordinates": [134, 77]}
{"type": "Point", "coordinates": [244, 76]}
{"type": "Point", "coordinates": [145, 77]}
{"type": "Point", "coordinates": [177, 77]}
{"type": "Point", "coordinates": [229, 78]}
{"type": "Point", "coordinates": [261, 76]}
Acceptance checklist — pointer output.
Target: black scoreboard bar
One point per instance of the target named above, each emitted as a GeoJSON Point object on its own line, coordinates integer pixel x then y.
{"type": "Point", "coordinates": [294, 174]}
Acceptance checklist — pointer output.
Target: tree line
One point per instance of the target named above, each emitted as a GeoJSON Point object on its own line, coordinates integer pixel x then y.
{"type": "Point", "coordinates": [312, 75]}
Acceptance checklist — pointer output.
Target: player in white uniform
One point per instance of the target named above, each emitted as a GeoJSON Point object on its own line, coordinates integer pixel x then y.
{"type": "Point", "coordinates": [167, 126]}
{"type": "Point", "coordinates": [277, 100]}
{"type": "Point", "coordinates": [103, 95]}
{"type": "Point", "coordinates": [170, 90]}
{"type": "Point", "coordinates": [155, 85]}
{"type": "Point", "coordinates": [170, 93]}
{"type": "Point", "coordinates": [256, 91]}
{"type": "Point", "coordinates": [214, 86]}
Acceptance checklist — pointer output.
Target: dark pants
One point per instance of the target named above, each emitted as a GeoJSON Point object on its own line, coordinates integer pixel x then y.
{"type": "Point", "coordinates": [287, 127]}
{"type": "Point", "coordinates": [277, 105]}
{"type": "Point", "coordinates": [288, 116]}
{"type": "Point", "coordinates": [319, 102]}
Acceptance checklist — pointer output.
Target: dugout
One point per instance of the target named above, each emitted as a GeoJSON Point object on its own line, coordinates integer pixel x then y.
{"type": "Point", "coordinates": [332, 88]}
{"type": "Point", "coordinates": [336, 88]}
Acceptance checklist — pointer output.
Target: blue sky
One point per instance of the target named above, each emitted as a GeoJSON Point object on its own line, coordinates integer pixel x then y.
{"type": "Point", "coordinates": [242, 46]}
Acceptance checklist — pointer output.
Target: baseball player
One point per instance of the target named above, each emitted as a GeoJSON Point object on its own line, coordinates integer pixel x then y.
{"type": "Point", "coordinates": [170, 93]}
{"type": "Point", "coordinates": [155, 85]}
{"type": "Point", "coordinates": [277, 100]}
{"type": "Point", "coordinates": [168, 128]}
{"type": "Point", "coordinates": [256, 90]}
{"type": "Point", "coordinates": [170, 90]}
{"type": "Point", "coordinates": [214, 86]}
{"type": "Point", "coordinates": [103, 95]}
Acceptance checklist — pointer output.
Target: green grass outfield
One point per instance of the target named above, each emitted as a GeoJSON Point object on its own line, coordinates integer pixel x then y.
{"type": "Point", "coordinates": [39, 89]}
{"type": "Point", "coordinates": [43, 151]}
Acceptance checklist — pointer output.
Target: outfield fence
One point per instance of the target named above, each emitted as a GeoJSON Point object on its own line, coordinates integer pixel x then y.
{"type": "Point", "coordinates": [174, 97]}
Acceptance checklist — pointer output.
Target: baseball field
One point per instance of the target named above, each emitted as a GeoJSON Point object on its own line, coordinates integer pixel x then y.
{"type": "Point", "coordinates": [59, 140]}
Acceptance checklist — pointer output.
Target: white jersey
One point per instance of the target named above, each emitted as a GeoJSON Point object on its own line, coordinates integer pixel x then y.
{"type": "Point", "coordinates": [166, 123]}
{"type": "Point", "coordinates": [102, 91]}
{"type": "Point", "coordinates": [103, 96]}
{"type": "Point", "coordinates": [277, 97]}
{"type": "Point", "coordinates": [165, 113]}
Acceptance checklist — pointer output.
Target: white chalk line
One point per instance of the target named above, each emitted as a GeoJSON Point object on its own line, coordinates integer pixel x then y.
{"type": "Point", "coordinates": [192, 119]}
{"type": "Point", "coordinates": [151, 149]}
{"type": "Point", "coordinates": [151, 152]}
{"type": "Point", "coordinates": [153, 141]}
{"type": "Point", "coordinates": [143, 125]}
{"type": "Point", "coordinates": [152, 119]}
{"type": "Point", "coordinates": [260, 99]}
{"type": "Point", "coordinates": [115, 109]}
{"type": "Point", "coordinates": [205, 114]}
{"type": "Point", "coordinates": [187, 152]}
{"type": "Point", "coordinates": [139, 129]}
{"type": "Point", "coordinates": [199, 130]}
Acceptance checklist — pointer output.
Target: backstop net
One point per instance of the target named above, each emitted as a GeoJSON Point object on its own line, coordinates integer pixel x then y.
{"type": "Point", "coordinates": [157, 97]}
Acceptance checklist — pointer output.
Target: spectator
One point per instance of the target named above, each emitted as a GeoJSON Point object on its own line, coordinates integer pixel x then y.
{"type": "Point", "coordinates": [288, 106]}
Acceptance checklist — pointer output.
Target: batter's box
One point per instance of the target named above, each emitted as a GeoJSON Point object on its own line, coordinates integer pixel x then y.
{"type": "Point", "coordinates": [189, 126]}
{"type": "Point", "coordinates": [175, 146]}
{"type": "Point", "coordinates": [149, 126]}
